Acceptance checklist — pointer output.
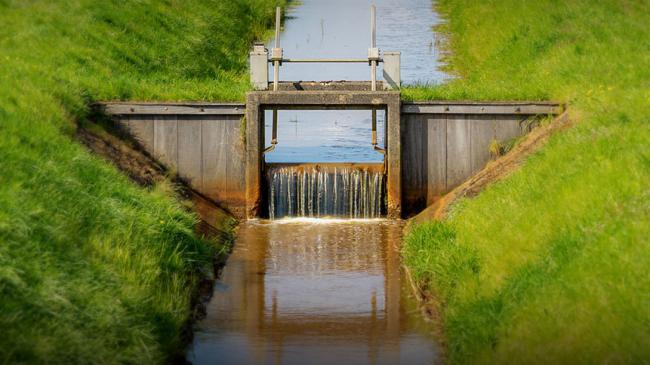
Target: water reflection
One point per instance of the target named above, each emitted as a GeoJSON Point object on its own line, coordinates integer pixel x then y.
{"type": "Point", "coordinates": [308, 291]}
{"type": "Point", "coordinates": [341, 29]}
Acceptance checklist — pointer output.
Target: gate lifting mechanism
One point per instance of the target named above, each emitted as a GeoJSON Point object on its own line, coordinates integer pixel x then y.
{"type": "Point", "coordinates": [259, 70]}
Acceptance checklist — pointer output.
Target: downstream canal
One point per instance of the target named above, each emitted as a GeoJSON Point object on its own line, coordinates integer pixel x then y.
{"type": "Point", "coordinates": [305, 288]}
{"type": "Point", "coordinates": [314, 291]}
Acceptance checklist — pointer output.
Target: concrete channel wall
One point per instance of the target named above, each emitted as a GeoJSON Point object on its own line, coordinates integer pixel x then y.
{"type": "Point", "coordinates": [445, 143]}
{"type": "Point", "coordinates": [202, 142]}
{"type": "Point", "coordinates": [441, 144]}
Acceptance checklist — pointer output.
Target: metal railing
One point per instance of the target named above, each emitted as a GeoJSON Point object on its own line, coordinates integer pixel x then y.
{"type": "Point", "coordinates": [373, 52]}
{"type": "Point", "coordinates": [259, 70]}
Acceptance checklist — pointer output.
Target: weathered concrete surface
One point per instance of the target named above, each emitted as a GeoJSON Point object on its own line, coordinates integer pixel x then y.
{"type": "Point", "coordinates": [204, 148]}
{"type": "Point", "coordinates": [392, 71]}
{"type": "Point", "coordinates": [257, 102]}
{"type": "Point", "coordinates": [446, 142]}
{"type": "Point", "coordinates": [259, 68]}
{"type": "Point", "coordinates": [253, 165]}
{"type": "Point", "coordinates": [495, 170]}
{"type": "Point", "coordinates": [482, 107]}
{"type": "Point", "coordinates": [146, 171]}
{"type": "Point", "coordinates": [170, 108]}
{"type": "Point", "coordinates": [442, 150]}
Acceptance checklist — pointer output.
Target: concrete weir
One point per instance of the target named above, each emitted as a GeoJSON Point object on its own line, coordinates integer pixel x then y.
{"type": "Point", "coordinates": [258, 101]}
{"type": "Point", "coordinates": [431, 147]}
{"type": "Point", "coordinates": [336, 190]}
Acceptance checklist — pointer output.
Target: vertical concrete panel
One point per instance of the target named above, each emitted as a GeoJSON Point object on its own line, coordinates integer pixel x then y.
{"type": "Point", "coordinates": [210, 133]}
{"type": "Point", "coordinates": [508, 127]}
{"type": "Point", "coordinates": [165, 143]}
{"type": "Point", "coordinates": [482, 132]}
{"type": "Point", "coordinates": [189, 150]}
{"type": "Point", "coordinates": [414, 162]}
{"type": "Point", "coordinates": [394, 156]}
{"type": "Point", "coordinates": [254, 143]}
{"type": "Point", "coordinates": [222, 194]}
{"type": "Point", "coordinates": [140, 127]}
{"type": "Point", "coordinates": [458, 150]}
{"type": "Point", "coordinates": [240, 152]}
{"type": "Point", "coordinates": [436, 156]}
{"type": "Point", "coordinates": [391, 73]}
{"type": "Point", "coordinates": [235, 164]}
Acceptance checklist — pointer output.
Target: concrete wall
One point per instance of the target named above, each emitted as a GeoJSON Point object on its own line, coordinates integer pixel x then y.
{"type": "Point", "coordinates": [205, 150]}
{"type": "Point", "coordinates": [439, 144]}
{"type": "Point", "coordinates": [258, 101]}
{"type": "Point", "coordinates": [441, 151]}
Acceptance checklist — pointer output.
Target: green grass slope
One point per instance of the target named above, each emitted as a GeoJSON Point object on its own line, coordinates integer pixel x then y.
{"type": "Point", "coordinates": [551, 264]}
{"type": "Point", "coordinates": [92, 268]}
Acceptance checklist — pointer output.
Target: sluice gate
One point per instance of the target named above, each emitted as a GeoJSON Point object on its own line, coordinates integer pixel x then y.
{"type": "Point", "coordinates": [429, 147]}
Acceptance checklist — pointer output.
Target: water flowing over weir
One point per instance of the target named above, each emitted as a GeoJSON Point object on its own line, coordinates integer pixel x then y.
{"type": "Point", "coordinates": [320, 190]}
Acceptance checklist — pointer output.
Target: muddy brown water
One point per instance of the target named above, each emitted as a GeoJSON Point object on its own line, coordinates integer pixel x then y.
{"type": "Point", "coordinates": [314, 291]}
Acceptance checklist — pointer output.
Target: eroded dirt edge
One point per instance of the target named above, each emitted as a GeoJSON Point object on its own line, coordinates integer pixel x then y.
{"type": "Point", "coordinates": [216, 224]}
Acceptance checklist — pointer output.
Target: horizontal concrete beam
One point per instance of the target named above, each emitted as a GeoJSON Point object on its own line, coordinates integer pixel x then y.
{"type": "Point", "coordinates": [462, 107]}
{"type": "Point", "coordinates": [311, 98]}
{"type": "Point", "coordinates": [317, 99]}
{"type": "Point", "coordinates": [181, 108]}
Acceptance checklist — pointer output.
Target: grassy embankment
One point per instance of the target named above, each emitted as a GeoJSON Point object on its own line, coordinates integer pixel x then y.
{"type": "Point", "coordinates": [550, 265]}
{"type": "Point", "coordinates": [94, 269]}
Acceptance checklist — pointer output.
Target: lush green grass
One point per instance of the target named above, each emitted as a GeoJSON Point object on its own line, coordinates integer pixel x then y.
{"type": "Point", "coordinates": [550, 265]}
{"type": "Point", "coordinates": [92, 268]}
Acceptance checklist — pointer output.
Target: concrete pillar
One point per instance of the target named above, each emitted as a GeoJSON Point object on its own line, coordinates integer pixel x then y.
{"type": "Point", "coordinates": [259, 67]}
{"type": "Point", "coordinates": [254, 146]}
{"type": "Point", "coordinates": [394, 157]}
{"type": "Point", "coordinates": [392, 76]}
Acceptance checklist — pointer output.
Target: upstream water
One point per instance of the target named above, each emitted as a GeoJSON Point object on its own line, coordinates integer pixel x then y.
{"type": "Point", "coordinates": [341, 29]}
{"type": "Point", "coordinates": [314, 291]}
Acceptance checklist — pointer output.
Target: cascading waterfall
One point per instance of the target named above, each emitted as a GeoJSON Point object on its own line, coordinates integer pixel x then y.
{"type": "Point", "coordinates": [320, 190]}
